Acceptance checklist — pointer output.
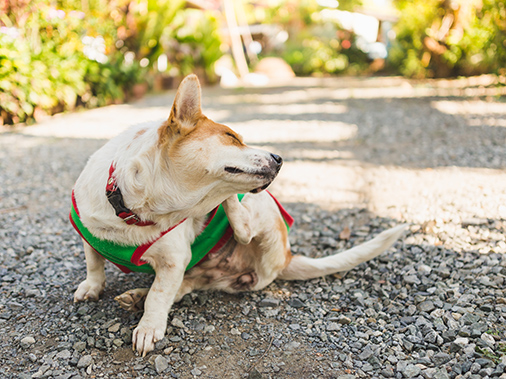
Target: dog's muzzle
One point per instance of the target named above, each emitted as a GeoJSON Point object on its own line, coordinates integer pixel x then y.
{"type": "Point", "coordinates": [274, 167]}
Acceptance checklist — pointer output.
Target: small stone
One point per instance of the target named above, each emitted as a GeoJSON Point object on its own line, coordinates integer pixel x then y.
{"type": "Point", "coordinates": [292, 345]}
{"type": "Point", "coordinates": [387, 372]}
{"type": "Point", "coordinates": [424, 270]}
{"type": "Point", "coordinates": [85, 361]}
{"type": "Point", "coordinates": [410, 371]}
{"type": "Point", "coordinates": [469, 319]}
{"type": "Point", "coordinates": [114, 328]}
{"type": "Point", "coordinates": [117, 342]}
{"type": "Point", "coordinates": [178, 323]}
{"type": "Point", "coordinates": [79, 346]}
{"type": "Point", "coordinates": [440, 359]}
{"type": "Point", "coordinates": [346, 376]}
{"type": "Point", "coordinates": [296, 303]}
{"type": "Point", "coordinates": [15, 306]}
{"type": "Point", "coordinates": [209, 329]}
{"type": "Point", "coordinates": [344, 320]}
{"type": "Point", "coordinates": [441, 374]}
{"type": "Point", "coordinates": [366, 353]}
{"type": "Point", "coordinates": [426, 306]}
{"type": "Point", "coordinates": [411, 279]}
{"type": "Point", "coordinates": [333, 326]}
{"type": "Point", "coordinates": [254, 374]}
{"type": "Point", "coordinates": [245, 336]}
{"type": "Point", "coordinates": [161, 364]}
{"type": "Point", "coordinates": [484, 362]}
{"type": "Point", "coordinates": [64, 354]}
{"type": "Point", "coordinates": [196, 372]}
{"type": "Point", "coordinates": [268, 302]}
{"type": "Point", "coordinates": [27, 341]}
{"type": "Point", "coordinates": [235, 332]}
{"type": "Point", "coordinates": [488, 339]}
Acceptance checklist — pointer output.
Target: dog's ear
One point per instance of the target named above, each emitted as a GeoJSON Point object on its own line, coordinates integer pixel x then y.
{"type": "Point", "coordinates": [186, 109]}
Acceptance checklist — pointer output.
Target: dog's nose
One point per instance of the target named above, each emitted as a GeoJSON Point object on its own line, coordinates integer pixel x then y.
{"type": "Point", "coordinates": [277, 159]}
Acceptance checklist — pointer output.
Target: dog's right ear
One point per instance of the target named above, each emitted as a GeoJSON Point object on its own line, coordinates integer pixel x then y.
{"type": "Point", "coordinates": [186, 109]}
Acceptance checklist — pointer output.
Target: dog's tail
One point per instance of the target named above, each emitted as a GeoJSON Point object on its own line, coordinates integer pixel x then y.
{"type": "Point", "coordinates": [302, 268]}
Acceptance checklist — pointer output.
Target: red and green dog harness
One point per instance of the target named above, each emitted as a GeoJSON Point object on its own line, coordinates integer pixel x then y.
{"type": "Point", "coordinates": [216, 233]}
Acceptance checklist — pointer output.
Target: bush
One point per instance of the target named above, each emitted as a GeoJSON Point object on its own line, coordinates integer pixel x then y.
{"type": "Point", "coordinates": [437, 38]}
{"type": "Point", "coordinates": [52, 60]}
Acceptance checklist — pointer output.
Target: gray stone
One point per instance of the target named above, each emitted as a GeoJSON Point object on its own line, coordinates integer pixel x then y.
{"type": "Point", "coordinates": [196, 372]}
{"type": "Point", "coordinates": [79, 346]}
{"type": "Point", "coordinates": [64, 354]}
{"type": "Point", "coordinates": [366, 353]}
{"type": "Point", "coordinates": [254, 374]}
{"type": "Point", "coordinates": [27, 341]}
{"type": "Point", "coordinates": [292, 345]}
{"type": "Point", "coordinates": [178, 323]}
{"type": "Point", "coordinates": [411, 279]}
{"type": "Point", "coordinates": [426, 306]}
{"type": "Point", "coordinates": [441, 374]}
{"type": "Point", "coordinates": [333, 326]}
{"type": "Point", "coordinates": [161, 364]}
{"type": "Point", "coordinates": [296, 303]}
{"type": "Point", "coordinates": [268, 302]}
{"type": "Point", "coordinates": [410, 371]}
{"type": "Point", "coordinates": [85, 361]}
{"type": "Point", "coordinates": [440, 359]}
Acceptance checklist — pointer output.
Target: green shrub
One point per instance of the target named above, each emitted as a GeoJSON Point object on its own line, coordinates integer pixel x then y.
{"type": "Point", "coordinates": [436, 38]}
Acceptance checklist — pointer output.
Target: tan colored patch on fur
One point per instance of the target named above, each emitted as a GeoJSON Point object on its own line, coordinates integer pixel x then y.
{"type": "Point", "coordinates": [137, 135]}
{"type": "Point", "coordinates": [140, 133]}
{"type": "Point", "coordinates": [207, 128]}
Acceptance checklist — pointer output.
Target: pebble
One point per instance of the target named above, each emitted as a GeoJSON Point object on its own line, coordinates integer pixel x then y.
{"type": "Point", "coordinates": [426, 306]}
{"type": "Point", "coordinates": [178, 323]}
{"type": "Point", "coordinates": [27, 341]}
{"type": "Point", "coordinates": [84, 361]}
{"type": "Point", "coordinates": [268, 302]}
{"type": "Point", "coordinates": [411, 371]}
{"type": "Point", "coordinates": [161, 364]}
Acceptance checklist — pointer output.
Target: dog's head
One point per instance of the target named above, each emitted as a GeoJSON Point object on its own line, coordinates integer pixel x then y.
{"type": "Point", "coordinates": [210, 158]}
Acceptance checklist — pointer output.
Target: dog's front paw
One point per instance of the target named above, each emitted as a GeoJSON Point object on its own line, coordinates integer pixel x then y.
{"type": "Point", "coordinates": [88, 290]}
{"type": "Point", "coordinates": [147, 333]}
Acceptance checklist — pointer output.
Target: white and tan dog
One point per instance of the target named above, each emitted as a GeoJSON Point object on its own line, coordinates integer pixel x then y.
{"type": "Point", "coordinates": [171, 177]}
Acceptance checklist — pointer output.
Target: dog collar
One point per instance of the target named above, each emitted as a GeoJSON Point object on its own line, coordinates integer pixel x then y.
{"type": "Point", "coordinates": [115, 198]}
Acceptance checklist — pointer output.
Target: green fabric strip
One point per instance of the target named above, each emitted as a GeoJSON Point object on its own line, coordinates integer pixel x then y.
{"type": "Point", "coordinates": [122, 255]}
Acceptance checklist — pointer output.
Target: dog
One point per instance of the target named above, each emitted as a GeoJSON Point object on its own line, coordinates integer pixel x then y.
{"type": "Point", "coordinates": [145, 199]}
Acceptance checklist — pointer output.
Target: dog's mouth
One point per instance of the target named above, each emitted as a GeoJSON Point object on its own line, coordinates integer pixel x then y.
{"type": "Point", "coordinates": [260, 175]}
{"type": "Point", "coordinates": [234, 170]}
{"type": "Point", "coordinates": [259, 189]}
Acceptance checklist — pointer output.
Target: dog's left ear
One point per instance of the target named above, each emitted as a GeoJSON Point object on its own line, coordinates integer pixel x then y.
{"type": "Point", "coordinates": [186, 109]}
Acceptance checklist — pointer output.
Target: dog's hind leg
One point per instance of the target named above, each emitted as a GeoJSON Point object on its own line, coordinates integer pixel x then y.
{"type": "Point", "coordinates": [133, 300]}
{"type": "Point", "coordinates": [94, 285]}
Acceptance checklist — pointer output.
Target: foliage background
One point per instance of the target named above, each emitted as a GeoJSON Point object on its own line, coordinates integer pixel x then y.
{"type": "Point", "coordinates": [56, 55]}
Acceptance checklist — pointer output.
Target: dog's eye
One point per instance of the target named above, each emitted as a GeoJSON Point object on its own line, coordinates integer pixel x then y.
{"type": "Point", "coordinates": [233, 170]}
{"type": "Point", "coordinates": [233, 136]}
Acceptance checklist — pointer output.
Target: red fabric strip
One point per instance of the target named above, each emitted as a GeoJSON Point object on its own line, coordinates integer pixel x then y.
{"type": "Point", "coordinates": [289, 219]}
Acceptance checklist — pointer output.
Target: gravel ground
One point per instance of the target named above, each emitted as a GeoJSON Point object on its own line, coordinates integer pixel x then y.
{"type": "Point", "coordinates": [360, 156]}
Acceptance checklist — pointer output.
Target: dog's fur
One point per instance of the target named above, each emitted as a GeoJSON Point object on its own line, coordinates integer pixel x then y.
{"type": "Point", "coordinates": [182, 170]}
